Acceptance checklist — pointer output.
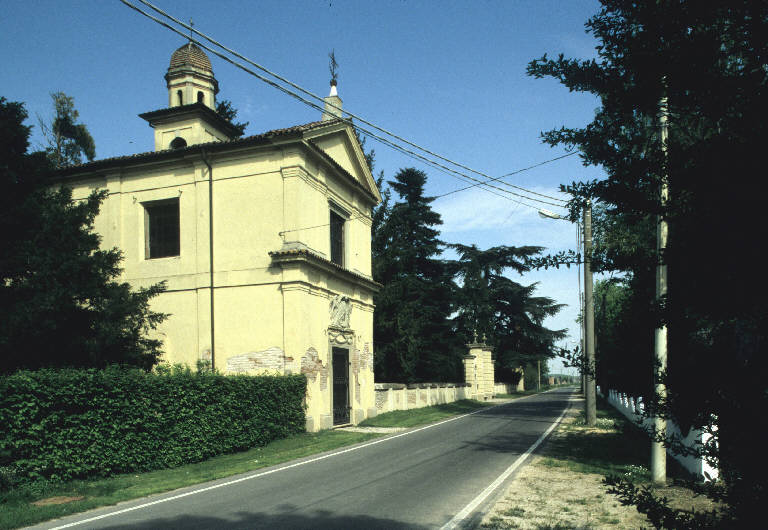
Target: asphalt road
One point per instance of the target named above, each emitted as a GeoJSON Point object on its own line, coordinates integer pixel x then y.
{"type": "Point", "coordinates": [420, 478]}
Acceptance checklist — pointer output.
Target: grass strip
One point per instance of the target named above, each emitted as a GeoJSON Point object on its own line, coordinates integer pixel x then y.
{"type": "Point", "coordinates": [16, 508]}
{"type": "Point", "coordinates": [424, 415]}
{"type": "Point", "coordinates": [614, 446]}
{"type": "Point", "coordinates": [562, 486]}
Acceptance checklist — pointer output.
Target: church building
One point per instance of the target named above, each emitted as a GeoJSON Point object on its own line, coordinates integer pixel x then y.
{"type": "Point", "coordinates": [264, 242]}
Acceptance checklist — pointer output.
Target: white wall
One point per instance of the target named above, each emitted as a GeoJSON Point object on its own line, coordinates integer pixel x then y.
{"type": "Point", "coordinates": [632, 408]}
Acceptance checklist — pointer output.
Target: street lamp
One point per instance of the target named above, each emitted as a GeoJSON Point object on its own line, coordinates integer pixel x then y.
{"type": "Point", "coordinates": [590, 409]}
{"type": "Point", "coordinates": [546, 214]}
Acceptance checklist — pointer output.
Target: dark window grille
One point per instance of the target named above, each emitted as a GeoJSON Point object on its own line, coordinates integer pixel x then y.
{"type": "Point", "coordinates": [162, 229]}
{"type": "Point", "coordinates": [337, 239]}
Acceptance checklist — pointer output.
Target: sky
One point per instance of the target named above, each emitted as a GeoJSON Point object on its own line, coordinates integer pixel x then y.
{"type": "Point", "coordinates": [446, 75]}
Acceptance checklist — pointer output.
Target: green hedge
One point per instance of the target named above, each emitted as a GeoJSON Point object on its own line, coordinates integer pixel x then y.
{"type": "Point", "coordinates": [75, 423]}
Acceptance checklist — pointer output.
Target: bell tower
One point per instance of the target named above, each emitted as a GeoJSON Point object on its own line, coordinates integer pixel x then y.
{"type": "Point", "coordinates": [191, 116]}
{"type": "Point", "coordinates": [190, 78]}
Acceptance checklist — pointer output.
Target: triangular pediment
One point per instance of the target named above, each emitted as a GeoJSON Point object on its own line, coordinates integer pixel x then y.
{"type": "Point", "coordinates": [338, 141]}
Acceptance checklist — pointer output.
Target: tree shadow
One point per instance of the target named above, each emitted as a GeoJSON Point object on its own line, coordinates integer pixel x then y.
{"type": "Point", "coordinates": [287, 518]}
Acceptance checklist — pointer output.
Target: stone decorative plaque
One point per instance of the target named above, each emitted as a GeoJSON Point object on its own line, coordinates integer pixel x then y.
{"type": "Point", "coordinates": [340, 309]}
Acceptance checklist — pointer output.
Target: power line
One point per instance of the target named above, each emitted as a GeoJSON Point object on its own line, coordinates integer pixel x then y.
{"type": "Point", "coordinates": [512, 185]}
{"type": "Point", "coordinates": [505, 193]}
{"type": "Point", "coordinates": [352, 218]}
{"type": "Point", "coordinates": [352, 115]}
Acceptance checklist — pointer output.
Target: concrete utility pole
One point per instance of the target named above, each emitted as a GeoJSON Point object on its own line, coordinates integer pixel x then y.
{"type": "Point", "coordinates": [590, 406]}
{"type": "Point", "coordinates": [588, 318]}
{"type": "Point", "coordinates": [658, 451]}
{"type": "Point", "coordinates": [538, 373]}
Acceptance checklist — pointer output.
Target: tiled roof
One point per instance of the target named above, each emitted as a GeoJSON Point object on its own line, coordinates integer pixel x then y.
{"type": "Point", "coordinates": [191, 55]}
{"type": "Point", "coordinates": [169, 153]}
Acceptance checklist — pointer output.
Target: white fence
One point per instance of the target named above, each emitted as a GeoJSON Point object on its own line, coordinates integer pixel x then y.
{"type": "Point", "coordinates": [632, 408]}
{"type": "Point", "coordinates": [396, 396]}
{"type": "Point", "coordinates": [506, 388]}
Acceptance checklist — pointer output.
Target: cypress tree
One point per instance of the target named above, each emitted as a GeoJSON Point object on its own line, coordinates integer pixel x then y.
{"type": "Point", "coordinates": [412, 331]}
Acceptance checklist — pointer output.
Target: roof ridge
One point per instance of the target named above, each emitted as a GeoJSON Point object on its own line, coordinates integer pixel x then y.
{"type": "Point", "coordinates": [234, 141]}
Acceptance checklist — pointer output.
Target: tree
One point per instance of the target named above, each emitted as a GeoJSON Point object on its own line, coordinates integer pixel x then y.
{"type": "Point", "coordinates": [226, 110]}
{"type": "Point", "coordinates": [505, 313]}
{"type": "Point", "coordinates": [412, 332]}
{"type": "Point", "coordinates": [708, 61]}
{"type": "Point", "coordinates": [59, 296]}
{"type": "Point", "coordinates": [68, 141]}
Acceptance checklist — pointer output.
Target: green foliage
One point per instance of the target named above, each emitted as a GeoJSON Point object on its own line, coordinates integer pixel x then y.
{"type": "Point", "coordinates": [430, 308]}
{"type": "Point", "coordinates": [68, 141]}
{"type": "Point", "coordinates": [226, 110]}
{"type": "Point", "coordinates": [708, 61]}
{"type": "Point", "coordinates": [76, 423]}
{"type": "Point", "coordinates": [411, 327]}
{"type": "Point", "coordinates": [59, 296]}
{"type": "Point", "coordinates": [624, 335]}
{"type": "Point", "coordinates": [491, 305]}
{"type": "Point", "coordinates": [657, 509]}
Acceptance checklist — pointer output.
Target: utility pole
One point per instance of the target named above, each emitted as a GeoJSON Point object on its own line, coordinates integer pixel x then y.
{"type": "Point", "coordinates": [588, 318]}
{"type": "Point", "coordinates": [658, 451]}
{"type": "Point", "coordinates": [538, 373]}
{"type": "Point", "coordinates": [590, 407]}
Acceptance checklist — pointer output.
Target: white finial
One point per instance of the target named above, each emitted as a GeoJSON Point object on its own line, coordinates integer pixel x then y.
{"type": "Point", "coordinates": [334, 92]}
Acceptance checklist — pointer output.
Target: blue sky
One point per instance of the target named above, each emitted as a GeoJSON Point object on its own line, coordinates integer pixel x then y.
{"type": "Point", "coordinates": [447, 75]}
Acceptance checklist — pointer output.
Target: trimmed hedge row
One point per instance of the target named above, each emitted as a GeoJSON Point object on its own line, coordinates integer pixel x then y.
{"type": "Point", "coordinates": [75, 423]}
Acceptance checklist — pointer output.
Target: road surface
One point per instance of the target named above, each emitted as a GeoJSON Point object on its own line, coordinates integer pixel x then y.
{"type": "Point", "coordinates": [441, 475]}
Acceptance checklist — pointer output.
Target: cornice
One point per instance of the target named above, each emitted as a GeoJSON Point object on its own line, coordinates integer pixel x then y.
{"type": "Point", "coordinates": [306, 257]}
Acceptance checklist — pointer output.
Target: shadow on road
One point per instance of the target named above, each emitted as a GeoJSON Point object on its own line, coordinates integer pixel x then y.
{"type": "Point", "coordinates": [529, 418]}
{"type": "Point", "coordinates": [286, 519]}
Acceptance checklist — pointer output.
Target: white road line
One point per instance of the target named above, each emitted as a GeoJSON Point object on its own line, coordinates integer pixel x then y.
{"type": "Point", "coordinates": [290, 466]}
{"type": "Point", "coordinates": [459, 518]}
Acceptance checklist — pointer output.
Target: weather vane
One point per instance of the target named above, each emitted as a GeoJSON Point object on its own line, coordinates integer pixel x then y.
{"type": "Point", "coordinates": [333, 66]}
{"type": "Point", "coordinates": [191, 25]}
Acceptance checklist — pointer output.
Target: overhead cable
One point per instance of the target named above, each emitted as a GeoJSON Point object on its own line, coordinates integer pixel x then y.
{"type": "Point", "coordinates": [505, 193]}
{"type": "Point", "coordinates": [352, 115]}
{"type": "Point", "coordinates": [513, 173]}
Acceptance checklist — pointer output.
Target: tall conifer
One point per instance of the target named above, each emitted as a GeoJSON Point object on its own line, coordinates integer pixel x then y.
{"type": "Point", "coordinates": [412, 332]}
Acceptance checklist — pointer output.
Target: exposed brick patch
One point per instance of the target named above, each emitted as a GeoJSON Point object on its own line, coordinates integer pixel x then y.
{"type": "Point", "coordinates": [355, 361]}
{"type": "Point", "coordinates": [366, 357]}
{"type": "Point", "coordinates": [312, 367]}
{"type": "Point", "coordinates": [270, 360]}
{"type": "Point", "coordinates": [357, 388]}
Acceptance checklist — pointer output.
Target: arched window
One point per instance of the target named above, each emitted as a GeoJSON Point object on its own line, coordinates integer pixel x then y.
{"type": "Point", "coordinates": [178, 143]}
{"type": "Point", "coordinates": [200, 97]}
{"type": "Point", "coordinates": [181, 98]}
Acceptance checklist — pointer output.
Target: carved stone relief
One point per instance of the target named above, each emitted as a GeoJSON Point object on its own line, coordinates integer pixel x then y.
{"type": "Point", "coordinates": [341, 336]}
{"type": "Point", "coordinates": [340, 309]}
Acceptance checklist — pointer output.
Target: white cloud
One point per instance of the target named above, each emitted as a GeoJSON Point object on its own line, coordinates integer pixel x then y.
{"type": "Point", "coordinates": [476, 216]}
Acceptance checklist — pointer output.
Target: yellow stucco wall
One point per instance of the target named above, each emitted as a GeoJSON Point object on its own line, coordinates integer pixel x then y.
{"type": "Point", "coordinates": [269, 317]}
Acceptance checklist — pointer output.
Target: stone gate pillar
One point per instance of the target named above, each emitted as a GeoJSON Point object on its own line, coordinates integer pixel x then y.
{"type": "Point", "coordinates": [479, 370]}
